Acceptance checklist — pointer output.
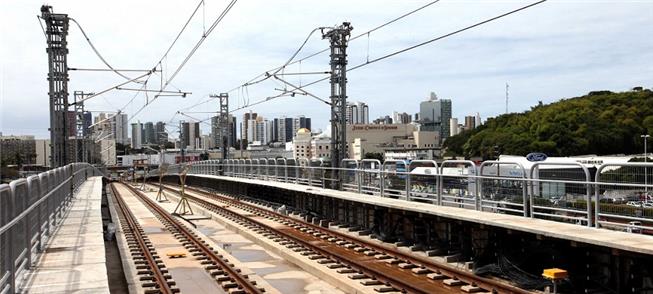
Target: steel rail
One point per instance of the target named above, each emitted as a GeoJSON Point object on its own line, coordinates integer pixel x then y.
{"type": "Point", "coordinates": [159, 277]}
{"type": "Point", "coordinates": [467, 277]}
{"type": "Point", "coordinates": [239, 278]}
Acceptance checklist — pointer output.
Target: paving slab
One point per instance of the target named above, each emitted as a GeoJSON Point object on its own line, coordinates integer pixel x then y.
{"type": "Point", "coordinates": [73, 260]}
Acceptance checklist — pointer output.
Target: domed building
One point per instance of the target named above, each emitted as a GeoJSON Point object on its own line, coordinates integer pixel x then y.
{"type": "Point", "coordinates": [302, 144]}
{"type": "Point", "coordinates": [307, 146]}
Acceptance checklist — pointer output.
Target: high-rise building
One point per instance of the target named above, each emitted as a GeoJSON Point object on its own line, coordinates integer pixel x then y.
{"type": "Point", "coordinates": [470, 122]}
{"type": "Point", "coordinates": [250, 127]}
{"type": "Point", "coordinates": [434, 115]}
{"type": "Point", "coordinates": [108, 126]}
{"type": "Point", "coordinates": [301, 122]}
{"type": "Point", "coordinates": [478, 120]}
{"type": "Point", "coordinates": [244, 126]}
{"type": "Point", "coordinates": [453, 126]}
{"type": "Point", "coordinates": [189, 137]}
{"type": "Point", "coordinates": [357, 113]}
{"type": "Point", "coordinates": [383, 120]}
{"type": "Point", "coordinates": [161, 134]}
{"type": "Point", "coordinates": [215, 131]}
{"type": "Point", "coordinates": [137, 135]}
{"type": "Point", "coordinates": [232, 126]}
{"type": "Point", "coordinates": [149, 134]}
{"type": "Point", "coordinates": [119, 125]}
{"type": "Point", "coordinates": [401, 118]}
{"type": "Point", "coordinates": [285, 128]}
{"type": "Point", "coordinates": [275, 130]}
{"type": "Point", "coordinates": [87, 121]}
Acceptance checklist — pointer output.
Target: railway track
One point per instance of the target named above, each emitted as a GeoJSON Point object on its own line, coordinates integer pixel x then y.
{"type": "Point", "coordinates": [148, 264]}
{"type": "Point", "coordinates": [378, 265]}
{"type": "Point", "coordinates": [225, 273]}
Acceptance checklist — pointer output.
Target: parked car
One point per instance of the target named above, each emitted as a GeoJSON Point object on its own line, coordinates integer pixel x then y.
{"type": "Point", "coordinates": [634, 203]}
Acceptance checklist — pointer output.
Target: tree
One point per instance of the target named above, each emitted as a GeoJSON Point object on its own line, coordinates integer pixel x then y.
{"type": "Point", "coordinates": [600, 122]}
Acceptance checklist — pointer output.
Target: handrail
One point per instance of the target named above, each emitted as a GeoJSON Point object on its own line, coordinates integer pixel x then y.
{"type": "Point", "coordinates": [60, 184]}
{"type": "Point", "coordinates": [305, 172]}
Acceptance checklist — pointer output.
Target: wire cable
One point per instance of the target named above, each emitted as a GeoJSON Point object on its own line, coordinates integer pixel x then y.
{"type": "Point", "coordinates": [351, 39]}
{"type": "Point", "coordinates": [201, 40]}
{"type": "Point", "coordinates": [413, 47]}
{"type": "Point", "coordinates": [88, 40]}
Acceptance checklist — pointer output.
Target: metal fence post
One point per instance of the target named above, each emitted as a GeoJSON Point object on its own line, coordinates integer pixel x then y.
{"type": "Point", "coordinates": [407, 185]}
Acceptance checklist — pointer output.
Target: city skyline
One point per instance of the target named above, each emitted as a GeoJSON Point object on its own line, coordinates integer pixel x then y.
{"type": "Point", "coordinates": [593, 46]}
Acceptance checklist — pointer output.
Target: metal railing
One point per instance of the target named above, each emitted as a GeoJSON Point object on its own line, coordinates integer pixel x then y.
{"type": "Point", "coordinates": [29, 210]}
{"type": "Point", "coordinates": [615, 196]}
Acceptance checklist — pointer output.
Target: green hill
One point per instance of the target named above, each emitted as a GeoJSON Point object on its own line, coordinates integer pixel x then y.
{"type": "Point", "coordinates": [599, 123]}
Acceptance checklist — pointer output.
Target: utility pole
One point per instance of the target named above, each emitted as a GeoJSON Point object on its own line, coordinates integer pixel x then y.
{"type": "Point", "coordinates": [223, 130]}
{"type": "Point", "coordinates": [338, 37]}
{"type": "Point", "coordinates": [56, 32]}
{"type": "Point", "coordinates": [507, 87]}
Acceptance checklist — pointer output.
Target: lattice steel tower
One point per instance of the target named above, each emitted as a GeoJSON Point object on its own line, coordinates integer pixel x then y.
{"type": "Point", "coordinates": [338, 37]}
{"type": "Point", "coordinates": [82, 141]}
{"type": "Point", "coordinates": [56, 32]}
{"type": "Point", "coordinates": [222, 129]}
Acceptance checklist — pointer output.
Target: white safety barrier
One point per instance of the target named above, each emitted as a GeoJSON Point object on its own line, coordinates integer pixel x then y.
{"type": "Point", "coordinates": [615, 196]}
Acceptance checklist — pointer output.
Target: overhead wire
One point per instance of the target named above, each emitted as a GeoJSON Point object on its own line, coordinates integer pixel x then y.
{"type": "Point", "coordinates": [201, 40]}
{"type": "Point", "coordinates": [351, 39]}
{"type": "Point", "coordinates": [88, 40]}
{"type": "Point", "coordinates": [169, 79]}
{"type": "Point", "coordinates": [368, 62]}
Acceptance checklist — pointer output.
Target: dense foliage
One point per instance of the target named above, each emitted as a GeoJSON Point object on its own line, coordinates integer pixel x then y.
{"type": "Point", "coordinates": [599, 123]}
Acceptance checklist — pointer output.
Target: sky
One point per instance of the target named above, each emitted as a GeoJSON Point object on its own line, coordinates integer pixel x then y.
{"type": "Point", "coordinates": [555, 50]}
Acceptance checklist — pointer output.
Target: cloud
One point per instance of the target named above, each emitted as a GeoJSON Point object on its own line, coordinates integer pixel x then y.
{"type": "Point", "coordinates": [555, 50]}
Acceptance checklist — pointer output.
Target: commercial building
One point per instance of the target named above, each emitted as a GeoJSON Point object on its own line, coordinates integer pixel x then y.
{"type": "Point", "coordinates": [435, 115]}
{"type": "Point", "coordinates": [149, 134]}
{"type": "Point", "coordinates": [161, 134]}
{"type": "Point", "coordinates": [302, 144]}
{"type": "Point", "coordinates": [357, 113]}
{"type": "Point", "coordinates": [137, 135]}
{"type": "Point", "coordinates": [301, 122]}
{"type": "Point", "coordinates": [112, 126]}
{"type": "Point", "coordinates": [216, 142]}
{"type": "Point", "coordinates": [120, 129]}
{"type": "Point", "coordinates": [245, 129]}
{"type": "Point", "coordinates": [453, 126]}
{"type": "Point", "coordinates": [320, 146]}
{"type": "Point", "coordinates": [383, 120]}
{"type": "Point", "coordinates": [401, 118]}
{"type": "Point", "coordinates": [470, 122]}
{"type": "Point", "coordinates": [189, 137]}
{"type": "Point", "coordinates": [375, 138]}
{"type": "Point", "coordinates": [42, 149]}
{"type": "Point", "coordinates": [105, 151]}
{"type": "Point", "coordinates": [263, 131]}
{"type": "Point", "coordinates": [18, 150]}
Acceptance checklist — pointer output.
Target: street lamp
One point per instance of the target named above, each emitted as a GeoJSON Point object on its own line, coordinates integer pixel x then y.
{"type": "Point", "coordinates": [645, 137]}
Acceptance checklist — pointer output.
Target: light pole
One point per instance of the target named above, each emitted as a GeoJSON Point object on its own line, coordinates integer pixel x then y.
{"type": "Point", "coordinates": [645, 167]}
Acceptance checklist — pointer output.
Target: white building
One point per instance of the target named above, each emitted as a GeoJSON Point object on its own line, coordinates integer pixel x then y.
{"type": "Point", "coordinates": [108, 151]}
{"type": "Point", "coordinates": [43, 152]}
{"type": "Point", "coordinates": [357, 113]}
{"type": "Point", "coordinates": [137, 135]}
{"type": "Point", "coordinates": [120, 128]}
{"type": "Point", "coordinates": [302, 144]}
{"type": "Point", "coordinates": [251, 130]}
{"type": "Point", "coordinates": [454, 129]}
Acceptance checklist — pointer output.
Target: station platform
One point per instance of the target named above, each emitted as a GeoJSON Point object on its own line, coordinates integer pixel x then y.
{"type": "Point", "coordinates": [74, 258]}
{"type": "Point", "coordinates": [600, 237]}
